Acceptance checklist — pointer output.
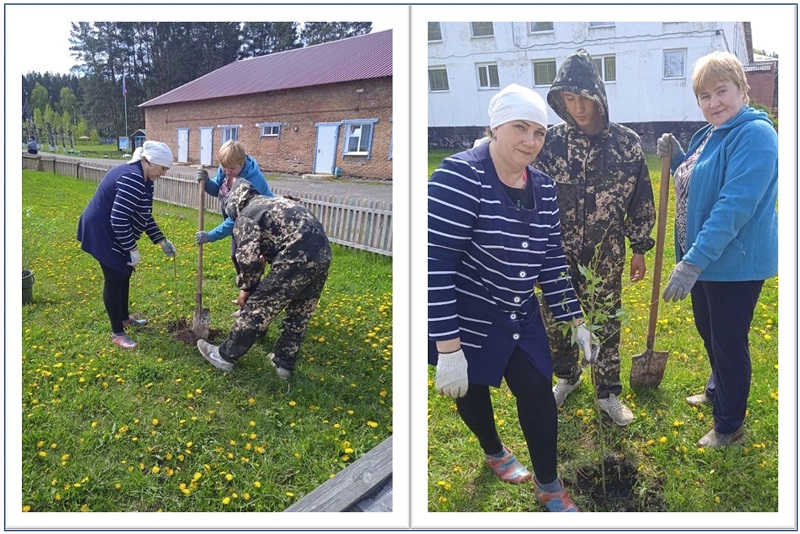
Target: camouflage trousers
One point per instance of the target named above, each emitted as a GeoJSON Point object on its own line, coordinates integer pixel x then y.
{"type": "Point", "coordinates": [293, 288]}
{"type": "Point", "coordinates": [566, 355]}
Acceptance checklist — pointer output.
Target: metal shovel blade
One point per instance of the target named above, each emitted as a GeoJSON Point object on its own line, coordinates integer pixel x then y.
{"type": "Point", "coordinates": [647, 368]}
{"type": "Point", "coordinates": [200, 323]}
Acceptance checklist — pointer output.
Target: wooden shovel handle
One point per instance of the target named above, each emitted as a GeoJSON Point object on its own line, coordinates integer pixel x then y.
{"type": "Point", "coordinates": [663, 198]}
{"type": "Point", "coordinates": [202, 209]}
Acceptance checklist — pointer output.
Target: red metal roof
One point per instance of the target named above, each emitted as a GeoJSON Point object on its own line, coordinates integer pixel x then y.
{"type": "Point", "coordinates": [355, 58]}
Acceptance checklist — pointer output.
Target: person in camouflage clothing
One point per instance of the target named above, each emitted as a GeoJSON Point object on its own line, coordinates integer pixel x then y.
{"type": "Point", "coordinates": [604, 196]}
{"type": "Point", "coordinates": [281, 232]}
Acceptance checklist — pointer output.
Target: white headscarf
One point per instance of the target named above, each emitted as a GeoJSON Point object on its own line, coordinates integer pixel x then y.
{"type": "Point", "coordinates": [514, 103]}
{"type": "Point", "coordinates": [155, 152]}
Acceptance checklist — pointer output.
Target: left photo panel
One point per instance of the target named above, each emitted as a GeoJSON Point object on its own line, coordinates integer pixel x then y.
{"type": "Point", "coordinates": [213, 224]}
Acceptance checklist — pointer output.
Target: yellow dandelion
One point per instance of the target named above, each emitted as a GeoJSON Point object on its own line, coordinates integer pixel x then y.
{"type": "Point", "coordinates": [257, 484]}
{"type": "Point", "coordinates": [226, 501]}
{"type": "Point", "coordinates": [155, 422]}
{"type": "Point", "coordinates": [292, 403]}
{"type": "Point", "coordinates": [229, 477]}
{"type": "Point", "coordinates": [289, 494]}
{"type": "Point", "coordinates": [372, 424]}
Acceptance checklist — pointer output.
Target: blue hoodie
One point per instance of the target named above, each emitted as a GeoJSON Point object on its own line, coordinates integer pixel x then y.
{"type": "Point", "coordinates": [252, 174]}
{"type": "Point", "coordinates": [731, 216]}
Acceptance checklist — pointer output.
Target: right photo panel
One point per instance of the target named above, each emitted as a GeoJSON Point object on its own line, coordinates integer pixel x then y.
{"type": "Point", "coordinates": [603, 265]}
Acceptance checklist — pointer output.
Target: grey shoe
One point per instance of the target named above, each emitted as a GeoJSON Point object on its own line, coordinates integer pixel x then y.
{"type": "Point", "coordinates": [714, 439]}
{"type": "Point", "coordinates": [699, 400]}
{"type": "Point", "coordinates": [619, 413]}
{"type": "Point", "coordinates": [282, 372]}
{"type": "Point", "coordinates": [564, 388]}
{"type": "Point", "coordinates": [211, 354]}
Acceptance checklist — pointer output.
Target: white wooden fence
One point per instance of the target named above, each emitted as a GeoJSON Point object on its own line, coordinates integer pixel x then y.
{"type": "Point", "coordinates": [360, 223]}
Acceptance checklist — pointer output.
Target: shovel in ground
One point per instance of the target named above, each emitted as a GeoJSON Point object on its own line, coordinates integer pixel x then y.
{"type": "Point", "coordinates": [202, 316]}
{"type": "Point", "coordinates": [647, 368]}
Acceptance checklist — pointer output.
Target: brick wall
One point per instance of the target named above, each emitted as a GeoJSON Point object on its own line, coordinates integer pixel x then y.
{"type": "Point", "coordinates": [298, 111]}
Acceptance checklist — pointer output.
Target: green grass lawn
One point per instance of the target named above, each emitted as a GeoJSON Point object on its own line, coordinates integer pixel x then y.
{"type": "Point", "coordinates": [158, 428]}
{"type": "Point", "coordinates": [667, 472]}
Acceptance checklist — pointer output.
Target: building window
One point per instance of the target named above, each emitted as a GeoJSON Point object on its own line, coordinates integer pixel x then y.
{"type": "Point", "coordinates": [270, 129]}
{"type": "Point", "coordinates": [391, 140]}
{"type": "Point", "coordinates": [488, 77]}
{"type": "Point", "coordinates": [540, 27]}
{"type": "Point", "coordinates": [607, 67]}
{"type": "Point", "coordinates": [434, 32]}
{"type": "Point", "coordinates": [437, 79]}
{"type": "Point", "coordinates": [229, 133]}
{"type": "Point", "coordinates": [544, 72]}
{"type": "Point", "coordinates": [674, 64]}
{"type": "Point", "coordinates": [358, 137]}
{"type": "Point", "coordinates": [482, 29]}
{"type": "Point", "coordinates": [601, 24]}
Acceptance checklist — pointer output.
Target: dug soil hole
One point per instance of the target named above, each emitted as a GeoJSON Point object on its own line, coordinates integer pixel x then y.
{"type": "Point", "coordinates": [625, 489]}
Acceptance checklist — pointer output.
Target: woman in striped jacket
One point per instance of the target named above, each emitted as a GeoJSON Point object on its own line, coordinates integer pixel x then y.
{"type": "Point", "coordinates": [494, 234]}
{"type": "Point", "coordinates": [113, 221]}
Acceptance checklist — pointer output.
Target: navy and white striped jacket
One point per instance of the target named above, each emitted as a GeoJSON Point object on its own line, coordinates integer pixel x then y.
{"type": "Point", "coordinates": [120, 210]}
{"type": "Point", "coordinates": [485, 256]}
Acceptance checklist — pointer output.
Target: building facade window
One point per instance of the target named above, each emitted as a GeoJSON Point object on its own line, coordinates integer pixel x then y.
{"type": "Point", "coordinates": [544, 72]}
{"type": "Point", "coordinates": [607, 67]}
{"type": "Point", "coordinates": [434, 32]}
{"type": "Point", "coordinates": [437, 79]}
{"type": "Point", "coordinates": [674, 64]}
{"type": "Point", "coordinates": [488, 77]}
{"type": "Point", "coordinates": [228, 132]}
{"type": "Point", "coordinates": [540, 27]}
{"type": "Point", "coordinates": [482, 29]}
{"type": "Point", "coordinates": [358, 137]}
{"type": "Point", "coordinates": [269, 129]}
{"type": "Point", "coordinates": [601, 24]}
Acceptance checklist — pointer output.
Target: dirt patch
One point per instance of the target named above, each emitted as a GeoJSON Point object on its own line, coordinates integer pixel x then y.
{"type": "Point", "coordinates": [625, 490]}
{"type": "Point", "coordinates": [182, 331]}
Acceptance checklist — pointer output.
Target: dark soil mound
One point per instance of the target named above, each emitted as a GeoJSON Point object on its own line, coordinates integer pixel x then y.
{"type": "Point", "coordinates": [182, 331]}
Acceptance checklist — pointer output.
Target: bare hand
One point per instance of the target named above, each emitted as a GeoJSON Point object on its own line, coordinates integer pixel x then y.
{"type": "Point", "coordinates": [638, 267]}
{"type": "Point", "coordinates": [243, 296]}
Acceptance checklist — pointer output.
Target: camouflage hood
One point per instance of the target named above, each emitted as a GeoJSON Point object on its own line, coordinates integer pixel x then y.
{"type": "Point", "coordinates": [240, 196]}
{"type": "Point", "coordinates": [578, 75]}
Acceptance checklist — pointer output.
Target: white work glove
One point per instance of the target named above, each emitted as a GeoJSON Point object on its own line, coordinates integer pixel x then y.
{"type": "Point", "coordinates": [135, 257]}
{"type": "Point", "coordinates": [668, 145]}
{"type": "Point", "coordinates": [201, 175]}
{"type": "Point", "coordinates": [169, 249]}
{"type": "Point", "coordinates": [587, 343]}
{"type": "Point", "coordinates": [681, 280]}
{"type": "Point", "coordinates": [451, 374]}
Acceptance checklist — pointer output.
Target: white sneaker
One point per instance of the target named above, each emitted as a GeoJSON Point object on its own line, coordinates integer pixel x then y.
{"type": "Point", "coordinates": [564, 388]}
{"type": "Point", "coordinates": [618, 412]}
{"type": "Point", "coordinates": [211, 354]}
{"type": "Point", "coordinates": [282, 372]}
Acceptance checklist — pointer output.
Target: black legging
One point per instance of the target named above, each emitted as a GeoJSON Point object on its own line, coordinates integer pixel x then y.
{"type": "Point", "coordinates": [536, 408]}
{"type": "Point", "coordinates": [116, 291]}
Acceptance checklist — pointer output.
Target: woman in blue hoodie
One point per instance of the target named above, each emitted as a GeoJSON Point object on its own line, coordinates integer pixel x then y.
{"type": "Point", "coordinates": [726, 232]}
{"type": "Point", "coordinates": [233, 163]}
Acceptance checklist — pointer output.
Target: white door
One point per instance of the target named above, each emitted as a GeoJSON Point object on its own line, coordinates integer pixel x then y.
{"type": "Point", "coordinates": [183, 145]}
{"type": "Point", "coordinates": [325, 156]}
{"type": "Point", "coordinates": [206, 145]}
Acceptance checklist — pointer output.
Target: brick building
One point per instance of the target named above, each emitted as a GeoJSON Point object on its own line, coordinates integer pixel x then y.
{"type": "Point", "coordinates": [324, 109]}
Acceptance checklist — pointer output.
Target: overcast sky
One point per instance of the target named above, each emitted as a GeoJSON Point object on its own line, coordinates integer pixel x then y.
{"type": "Point", "coordinates": [52, 54]}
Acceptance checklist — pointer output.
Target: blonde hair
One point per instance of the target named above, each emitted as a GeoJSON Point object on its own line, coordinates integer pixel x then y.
{"type": "Point", "coordinates": [231, 154]}
{"type": "Point", "coordinates": [718, 67]}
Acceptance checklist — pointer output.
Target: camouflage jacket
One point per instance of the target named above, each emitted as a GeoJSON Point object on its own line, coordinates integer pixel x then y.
{"type": "Point", "coordinates": [278, 229]}
{"type": "Point", "coordinates": [604, 189]}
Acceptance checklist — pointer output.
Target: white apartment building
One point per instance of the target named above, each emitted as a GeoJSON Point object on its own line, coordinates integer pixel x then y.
{"type": "Point", "coordinates": [646, 66]}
